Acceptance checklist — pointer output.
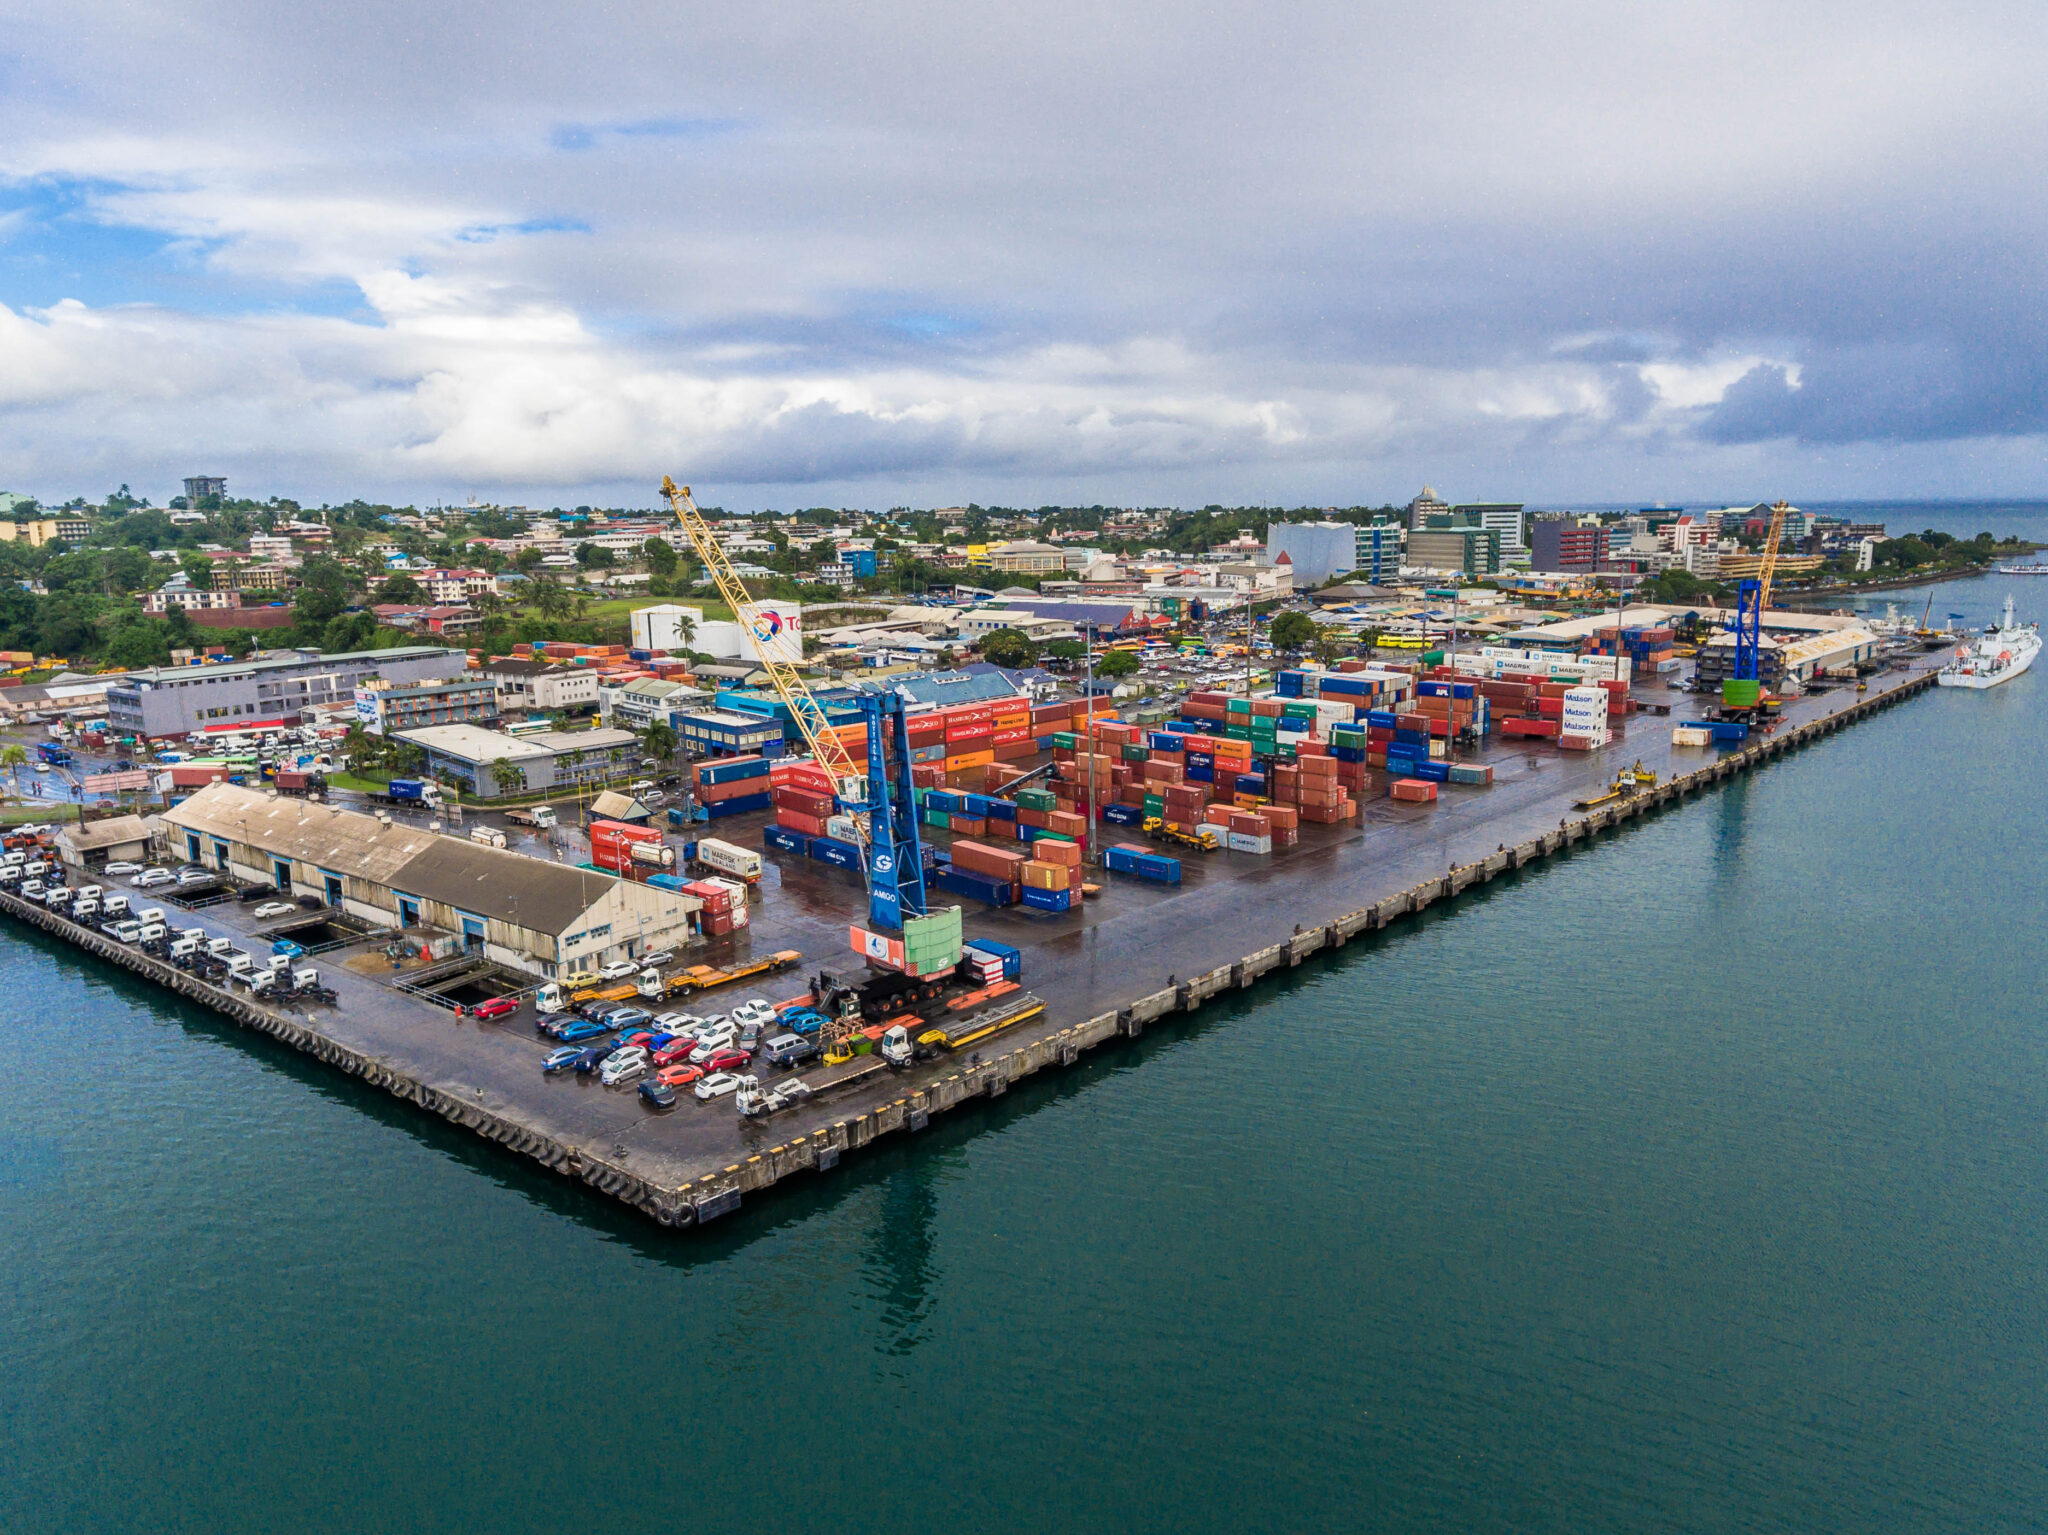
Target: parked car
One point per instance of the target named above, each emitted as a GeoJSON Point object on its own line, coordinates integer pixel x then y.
{"type": "Point", "coordinates": [716, 1086]}
{"type": "Point", "coordinates": [675, 1050]}
{"type": "Point", "coordinates": [579, 1028]}
{"type": "Point", "coordinates": [257, 893]}
{"type": "Point", "coordinates": [575, 980]}
{"type": "Point", "coordinates": [678, 1023]}
{"type": "Point", "coordinates": [619, 970]}
{"type": "Point", "coordinates": [789, 1049]}
{"type": "Point", "coordinates": [729, 1059]}
{"type": "Point", "coordinates": [590, 1060]}
{"type": "Point", "coordinates": [124, 868]}
{"type": "Point", "coordinates": [681, 1076]}
{"type": "Point", "coordinates": [627, 1017]}
{"type": "Point", "coordinates": [622, 1068]}
{"type": "Point", "coordinates": [805, 1020]}
{"type": "Point", "coordinates": [149, 879]}
{"type": "Point", "coordinates": [657, 1094]}
{"type": "Point", "coordinates": [563, 1059]}
{"type": "Point", "coordinates": [755, 1010]}
{"type": "Point", "coordinates": [710, 1042]}
{"type": "Point", "coordinates": [269, 909]}
{"type": "Point", "coordinates": [195, 876]}
{"type": "Point", "coordinates": [497, 1007]}
{"type": "Point", "coordinates": [657, 959]}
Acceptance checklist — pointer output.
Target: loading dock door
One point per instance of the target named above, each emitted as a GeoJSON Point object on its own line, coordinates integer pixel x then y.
{"type": "Point", "coordinates": [472, 933]}
{"type": "Point", "coordinates": [408, 912]}
{"type": "Point", "coordinates": [333, 884]}
{"type": "Point", "coordinates": [192, 847]}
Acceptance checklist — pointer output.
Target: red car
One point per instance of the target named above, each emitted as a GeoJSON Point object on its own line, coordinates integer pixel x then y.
{"type": "Point", "coordinates": [639, 1037]}
{"type": "Point", "coordinates": [497, 1007]}
{"type": "Point", "coordinates": [668, 1055]}
{"type": "Point", "coordinates": [728, 1060]}
{"type": "Point", "coordinates": [680, 1075]}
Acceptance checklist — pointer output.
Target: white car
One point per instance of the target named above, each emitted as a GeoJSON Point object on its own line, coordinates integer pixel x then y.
{"type": "Point", "coordinates": [149, 879]}
{"type": "Point", "coordinates": [710, 1042]}
{"type": "Point", "coordinates": [194, 876]}
{"type": "Point", "coordinates": [755, 1011]}
{"type": "Point", "coordinates": [717, 1085]}
{"type": "Point", "coordinates": [657, 959]}
{"type": "Point", "coordinates": [620, 970]}
{"type": "Point", "coordinates": [271, 909]}
{"type": "Point", "coordinates": [678, 1023]}
{"type": "Point", "coordinates": [124, 868]}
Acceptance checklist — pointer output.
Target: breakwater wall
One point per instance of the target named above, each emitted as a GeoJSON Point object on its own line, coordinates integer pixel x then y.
{"type": "Point", "coordinates": [721, 1190]}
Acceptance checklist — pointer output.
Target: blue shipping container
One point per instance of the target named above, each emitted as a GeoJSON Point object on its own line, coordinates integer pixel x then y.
{"type": "Point", "coordinates": [978, 887]}
{"type": "Point", "coordinates": [1048, 900]}
{"type": "Point", "coordinates": [1123, 815]}
{"type": "Point", "coordinates": [788, 840]}
{"type": "Point", "coordinates": [732, 772]}
{"type": "Point", "coordinates": [841, 855]}
{"type": "Point", "coordinates": [1012, 958]}
{"type": "Point", "coordinates": [740, 806]}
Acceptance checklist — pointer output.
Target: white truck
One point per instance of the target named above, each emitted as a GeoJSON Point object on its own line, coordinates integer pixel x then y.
{"type": "Point", "coordinates": [896, 1047]}
{"type": "Point", "coordinates": [756, 1101]}
{"type": "Point", "coordinates": [725, 858]}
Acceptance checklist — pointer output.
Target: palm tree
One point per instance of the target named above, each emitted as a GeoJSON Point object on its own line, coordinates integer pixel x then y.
{"type": "Point", "coordinates": [14, 757]}
{"type": "Point", "coordinates": [507, 775]}
{"type": "Point", "coordinates": [658, 740]}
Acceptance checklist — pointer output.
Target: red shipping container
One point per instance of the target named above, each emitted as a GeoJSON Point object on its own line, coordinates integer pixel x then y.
{"type": "Point", "coordinates": [1413, 790]}
{"type": "Point", "coordinates": [796, 820]}
{"type": "Point", "coordinates": [994, 862]}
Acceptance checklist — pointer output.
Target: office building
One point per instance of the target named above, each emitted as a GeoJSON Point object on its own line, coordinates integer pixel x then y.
{"type": "Point", "coordinates": [385, 708]}
{"type": "Point", "coordinates": [169, 701]}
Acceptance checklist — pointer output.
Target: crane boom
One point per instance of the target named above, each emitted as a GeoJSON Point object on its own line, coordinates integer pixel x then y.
{"type": "Point", "coordinates": [1768, 566]}
{"type": "Point", "coordinates": [789, 685]}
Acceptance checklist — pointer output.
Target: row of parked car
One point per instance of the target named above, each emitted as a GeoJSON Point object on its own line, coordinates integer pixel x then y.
{"type": "Point", "coordinates": [275, 977]}
{"type": "Point", "coordinates": [668, 1053]}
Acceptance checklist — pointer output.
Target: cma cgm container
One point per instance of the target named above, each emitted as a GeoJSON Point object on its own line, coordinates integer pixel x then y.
{"type": "Point", "coordinates": [625, 849]}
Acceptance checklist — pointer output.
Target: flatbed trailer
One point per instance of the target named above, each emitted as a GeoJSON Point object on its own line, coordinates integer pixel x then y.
{"type": "Point", "coordinates": [956, 1034]}
{"type": "Point", "coordinates": [709, 978]}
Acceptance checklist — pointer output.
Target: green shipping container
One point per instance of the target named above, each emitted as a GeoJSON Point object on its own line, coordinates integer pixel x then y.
{"type": "Point", "coordinates": [1066, 738]}
{"type": "Point", "coordinates": [1155, 804]}
{"type": "Point", "coordinates": [1741, 694]}
{"type": "Point", "coordinates": [1136, 754]}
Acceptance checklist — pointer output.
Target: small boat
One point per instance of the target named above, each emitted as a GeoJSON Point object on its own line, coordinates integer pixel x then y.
{"type": "Point", "coordinates": [2023, 570]}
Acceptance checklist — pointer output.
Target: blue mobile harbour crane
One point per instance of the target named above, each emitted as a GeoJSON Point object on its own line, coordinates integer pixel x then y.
{"type": "Point", "coordinates": [894, 853]}
{"type": "Point", "coordinates": [1744, 704]}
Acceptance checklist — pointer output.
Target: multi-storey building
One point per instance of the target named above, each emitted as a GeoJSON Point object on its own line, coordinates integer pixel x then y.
{"type": "Point", "coordinates": [533, 687]}
{"type": "Point", "coordinates": [385, 708]}
{"type": "Point", "coordinates": [169, 701]}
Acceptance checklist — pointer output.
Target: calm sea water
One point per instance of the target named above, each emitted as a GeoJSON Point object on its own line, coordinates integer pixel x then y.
{"type": "Point", "coordinates": [1695, 1182]}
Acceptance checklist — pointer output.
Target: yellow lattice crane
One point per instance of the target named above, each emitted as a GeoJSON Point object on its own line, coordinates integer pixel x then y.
{"type": "Point", "coordinates": [788, 683]}
{"type": "Point", "coordinates": [1768, 567]}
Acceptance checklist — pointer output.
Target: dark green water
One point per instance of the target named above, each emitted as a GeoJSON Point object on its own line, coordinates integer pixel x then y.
{"type": "Point", "coordinates": [1692, 1183]}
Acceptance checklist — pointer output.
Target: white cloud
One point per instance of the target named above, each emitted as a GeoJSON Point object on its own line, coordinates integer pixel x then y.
{"type": "Point", "coordinates": [1139, 248]}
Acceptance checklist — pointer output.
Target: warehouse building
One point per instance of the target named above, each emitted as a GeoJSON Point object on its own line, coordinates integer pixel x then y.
{"type": "Point", "coordinates": [116, 839]}
{"type": "Point", "coordinates": [545, 759]}
{"type": "Point", "coordinates": [524, 913]}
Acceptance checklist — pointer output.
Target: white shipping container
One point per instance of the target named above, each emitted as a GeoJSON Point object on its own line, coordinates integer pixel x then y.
{"type": "Point", "coordinates": [1691, 735]}
{"type": "Point", "coordinates": [739, 862]}
{"type": "Point", "coordinates": [1244, 842]}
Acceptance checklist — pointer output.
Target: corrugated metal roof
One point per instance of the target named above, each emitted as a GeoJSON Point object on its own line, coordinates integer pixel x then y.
{"type": "Point", "coordinates": [338, 840]}
{"type": "Point", "coordinates": [505, 887]}
{"type": "Point", "coordinates": [108, 833]}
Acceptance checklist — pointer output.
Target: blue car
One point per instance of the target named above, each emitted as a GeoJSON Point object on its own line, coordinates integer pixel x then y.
{"type": "Point", "coordinates": [657, 1095]}
{"type": "Point", "coordinates": [805, 1020]}
{"type": "Point", "coordinates": [583, 1028]}
{"type": "Point", "coordinates": [661, 1042]}
{"type": "Point", "coordinates": [562, 1059]}
{"type": "Point", "coordinates": [286, 946]}
{"type": "Point", "coordinates": [589, 1060]}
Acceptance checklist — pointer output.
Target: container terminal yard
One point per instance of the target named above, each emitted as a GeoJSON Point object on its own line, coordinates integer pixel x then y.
{"type": "Point", "coordinates": [431, 1011]}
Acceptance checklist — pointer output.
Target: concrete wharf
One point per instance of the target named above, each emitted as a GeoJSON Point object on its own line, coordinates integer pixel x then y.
{"type": "Point", "coordinates": [1136, 954]}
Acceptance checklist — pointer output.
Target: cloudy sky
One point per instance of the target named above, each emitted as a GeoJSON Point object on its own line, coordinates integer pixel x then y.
{"type": "Point", "coordinates": [1045, 251]}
